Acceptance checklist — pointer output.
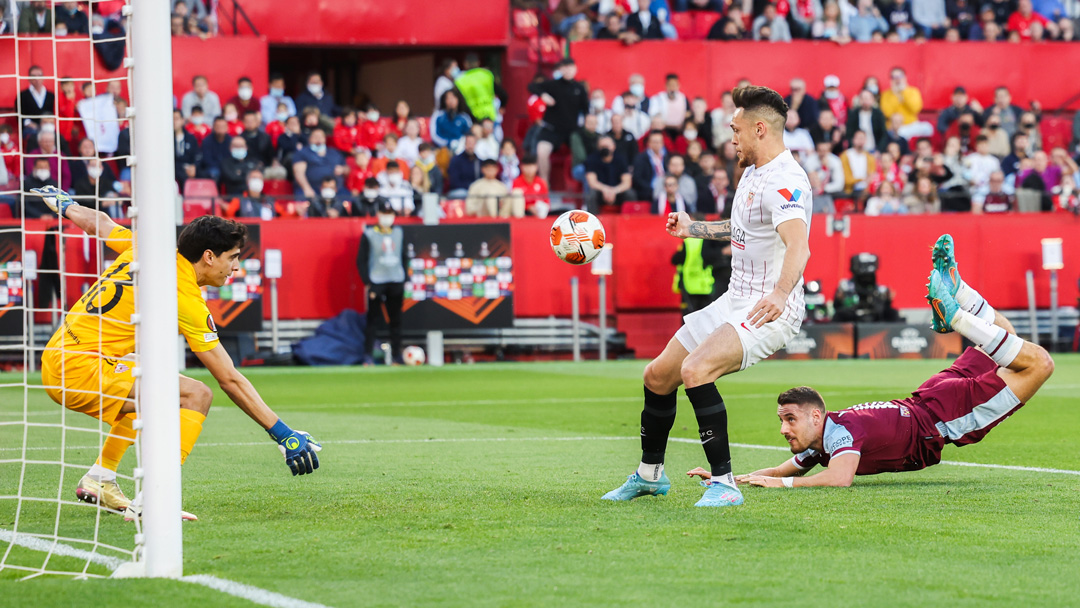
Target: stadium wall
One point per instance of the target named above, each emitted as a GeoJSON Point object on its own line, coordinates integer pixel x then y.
{"type": "Point", "coordinates": [1032, 71]}
{"type": "Point", "coordinates": [470, 23]}
{"type": "Point", "coordinates": [246, 56]}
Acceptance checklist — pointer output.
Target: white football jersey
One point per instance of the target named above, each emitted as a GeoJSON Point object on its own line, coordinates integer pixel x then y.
{"type": "Point", "coordinates": [767, 196]}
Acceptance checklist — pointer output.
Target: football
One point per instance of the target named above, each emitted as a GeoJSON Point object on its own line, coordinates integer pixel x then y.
{"type": "Point", "coordinates": [413, 355]}
{"type": "Point", "coordinates": [577, 237]}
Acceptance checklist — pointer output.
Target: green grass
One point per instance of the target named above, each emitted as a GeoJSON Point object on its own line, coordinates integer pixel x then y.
{"type": "Point", "coordinates": [510, 516]}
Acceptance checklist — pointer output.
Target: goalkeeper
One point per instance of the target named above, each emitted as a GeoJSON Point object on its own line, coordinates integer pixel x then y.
{"type": "Point", "coordinates": [87, 365]}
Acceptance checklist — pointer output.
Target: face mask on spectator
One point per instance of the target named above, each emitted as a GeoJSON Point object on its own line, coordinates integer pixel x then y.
{"type": "Point", "coordinates": [244, 93]}
{"type": "Point", "coordinates": [48, 127]}
{"type": "Point", "coordinates": [94, 172]}
{"type": "Point", "coordinates": [5, 138]}
{"type": "Point", "coordinates": [426, 158]}
{"type": "Point", "coordinates": [255, 185]}
{"type": "Point", "coordinates": [238, 153]}
{"type": "Point", "coordinates": [197, 120]}
{"type": "Point", "coordinates": [386, 220]}
{"type": "Point", "coordinates": [638, 90]}
{"type": "Point", "coordinates": [231, 116]}
{"type": "Point", "coordinates": [832, 93]}
{"type": "Point", "coordinates": [394, 179]}
{"type": "Point", "coordinates": [370, 194]}
{"type": "Point", "coordinates": [60, 31]}
{"type": "Point", "coordinates": [872, 88]}
{"type": "Point", "coordinates": [328, 192]}
{"type": "Point", "coordinates": [97, 30]}
{"type": "Point", "coordinates": [455, 72]}
{"type": "Point", "coordinates": [277, 92]}
{"type": "Point", "coordinates": [282, 116]}
{"type": "Point", "coordinates": [319, 149]}
{"type": "Point", "coordinates": [557, 75]}
{"type": "Point", "coordinates": [597, 103]}
{"type": "Point", "coordinates": [315, 89]}
{"type": "Point", "coordinates": [373, 115]}
{"type": "Point", "coordinates": [43, 174]}
{"type": "Point", "coordinates": [690, 134]}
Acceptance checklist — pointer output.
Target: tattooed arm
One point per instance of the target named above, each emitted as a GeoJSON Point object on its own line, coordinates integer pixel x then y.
{"type": "Point", "coordinates": [680, 225]}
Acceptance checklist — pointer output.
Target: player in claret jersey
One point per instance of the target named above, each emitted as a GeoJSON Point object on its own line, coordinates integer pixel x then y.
{"type": "Point", "coordinates": [762, 309]}
{"type": "Point", "coordinates": [957, 406]}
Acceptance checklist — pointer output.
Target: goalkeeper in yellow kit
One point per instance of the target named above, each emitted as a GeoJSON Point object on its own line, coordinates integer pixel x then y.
{"type": "Point", "coordinates": [87, 365]}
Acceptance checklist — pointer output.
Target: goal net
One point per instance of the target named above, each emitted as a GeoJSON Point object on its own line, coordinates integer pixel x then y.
{"type": "Point", "coordinates": [69, 121]}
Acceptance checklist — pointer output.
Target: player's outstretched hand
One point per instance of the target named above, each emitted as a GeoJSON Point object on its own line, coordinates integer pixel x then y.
{"type": "Point", "coordinates": [55, 198]}
{"type": "Point", "coordinates": [767, 309]}
{"type": "Point", "coordinates": [700, 472]}
{"type": "Point", "coordinates": [678, 224]}
{"type": "Point", "coordinates": [761, 480]}
{"type": "Point", "coordinates": [301, 452]}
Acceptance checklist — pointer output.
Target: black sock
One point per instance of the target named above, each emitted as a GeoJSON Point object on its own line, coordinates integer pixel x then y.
{"type": "Point", "coordinates": [656, 420]}
{"type": "Point", "coordinates": [712, 426]}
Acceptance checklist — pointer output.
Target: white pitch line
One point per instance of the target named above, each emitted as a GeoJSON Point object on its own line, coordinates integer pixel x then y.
{"type": "Point", "coordinates": [50, 546]}
{"type": "Point", "coordinates": [247, 592]}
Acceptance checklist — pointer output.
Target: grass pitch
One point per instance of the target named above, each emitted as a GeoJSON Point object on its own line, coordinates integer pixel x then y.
{"type": "Point", "coordinates": [480, 485]}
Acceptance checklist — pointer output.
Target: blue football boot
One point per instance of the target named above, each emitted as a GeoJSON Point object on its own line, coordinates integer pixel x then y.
{"type": "Point", "coordinates": [943, 305]}
{"type": "Point", "coordinates": [720, 495]}
{"type": "Point", "coordinates": [945, 263]}
{"type": "Point", "coordinates": [636, 486]}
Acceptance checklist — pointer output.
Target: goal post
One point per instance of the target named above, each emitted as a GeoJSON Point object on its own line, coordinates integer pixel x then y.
{"type": "Point", "coordinates": [158, 392]}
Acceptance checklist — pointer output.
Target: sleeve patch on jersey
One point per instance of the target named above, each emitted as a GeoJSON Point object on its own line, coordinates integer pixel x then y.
{"type": "Point", "coordinates": [210, 323]}
{"type": "Point", "coordinates": [210, 337]}
{"type": "Point", "coordinates": [838, 439]}
{"type": "Point", "coordinates": [791, 196]}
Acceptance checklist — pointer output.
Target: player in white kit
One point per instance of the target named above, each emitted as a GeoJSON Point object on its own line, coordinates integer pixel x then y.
{"type": "Point", "coordinates": [762, 309]}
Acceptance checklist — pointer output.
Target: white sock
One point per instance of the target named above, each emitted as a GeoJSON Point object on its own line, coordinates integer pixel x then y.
{"type": "Point", "coordinates": [100, 473]}
{"type": "Point", "coordinates": [998, 343]}
{"type": "Point", "coordinates": [650, 472]}
{"type": "Point", "coordinates": [973, 302]}
{"type": "Point", "coordinates": [727, 479]}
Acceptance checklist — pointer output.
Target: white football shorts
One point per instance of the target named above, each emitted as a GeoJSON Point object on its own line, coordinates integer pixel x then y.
{"type": "Point", "coordinates": [757, 342]}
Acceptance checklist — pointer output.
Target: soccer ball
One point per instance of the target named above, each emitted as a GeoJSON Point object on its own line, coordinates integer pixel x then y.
{"type": "Point", "coordinates": [413, 355]}
{"type": "Point", "coordinates": [577, 237]}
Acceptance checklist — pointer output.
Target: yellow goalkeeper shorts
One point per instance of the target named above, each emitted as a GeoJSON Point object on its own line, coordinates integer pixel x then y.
{"type": "Point", "coordinates": [87, 382]}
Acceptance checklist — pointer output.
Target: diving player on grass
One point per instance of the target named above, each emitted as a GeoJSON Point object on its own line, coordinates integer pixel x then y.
{"type": "Point", "coordinates": [762, 309]}
{"type": "Point", "coordinates": [87, 365]}
{"type": "Point", "coordinates": [959, 405]}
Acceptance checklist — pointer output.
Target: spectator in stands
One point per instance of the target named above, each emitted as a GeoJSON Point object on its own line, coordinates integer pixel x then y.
{"type": "Point", "coordinates": [509, 166]}
{"type": "Point", "coordinates": [197, 125]}
{"type": "Point", "coordinates": [979, 165]}
{"type": "Point", "coordinates": [649, 167]}
{"type": "Point", "coordinates": [426, 161]}
{"type": "Point", "coordinates": [581, 30]}
{"type": "Point", "coordinates": [67, 107]}
{"type": "Point", "coordinates": [35, 100]}
{"type": "Point", "coordinates": [922, 197]}
{"type": "Point", "coordinates": [677, 168]}
{"type": "Point", "coordinates": [276, 127]}
{"type": "Point", "coordinates": [259, 146]}
{"type": "Point", "coordinates": [1028, 23]}
{"type": "Point", "coordinates": [253, 202]}
{"type": "Point", "coordinates": [236, 166]}
{"type": "Point", "coordinates": [177, 25]}
{"type": "Point", "coordinates": [201, 95]}
{"type": "Point", "coordinates": [268, 104]}
{"type": "Point", "coordinates": [367, 199]}
{"type": "Point", "coordinates": [186, 151]}
{"type": "Point", "coordinates": [671, 200]}
{"type": "Point", "coordinates": [671, 105]}
{"type": "Point", "coordinates": [1008, 113]}
{"type": "Point", "coordinates": [244, 100]}
{"type": "Point", "coordinates": [464, 169]}
{"type": "Point", "coordinates": [866, 117]}
{"type": "Point", "coordinates": [966, 129]}
{"type": "Point", "coordinates": [291, 140]}
{"type": "Point", "coordinates": [401, 117]}
{"type": "Point", "coordinates": [598, 108]}
{"type": "Point", "coordinates": [316, 96]}
{"type": "Point", "coordinates": [961, 104]}
{"type": "Point", "coordinates": [607, 177]}
{"type": "Point", "coordinates": [331, 201]}
{"type": "Point", "coordinates": [1066, 30]}
{"type": "Point", "coordinates": [954, 191]}
{"type": "Point", "coordinates": [828, 131]}
{"type": "Point", "coordinates": [636, 88]}
{"type": "Point", "coordinates": [829, 169]}
{"type": "Point", "coordinates": [866, 22]}
{"type": "Point", "coordinates": [347, 136]}
{"type": "Point", "coordinates": [986, 28]}
{"type": "Point", "coordinates": [9, 149]}
{"type": "Point", "coordinates": [898, 14]}
{"type": "Point", "coordinates": [886, 201]}
{"type": "Point", "coordinates": [70, 19]}
{"type": "Point", "coordinates": [731, 26]}
{"type": "Point", "coordinates": [359, 169]}
{"type": "Point", "coordinates": [833, 100]}
{"type": "Point", "coordinates": [448, 70]}
{"type": "Point", "coordinates": [961, 14]}
{"type": "Point", "coordinates": [633, 119]}
{"type": "Point", "coordinates": [625, 142]}
{"type": "Point", "coordinates": [893, 137]}
{"type": "Point", "coordinates": [487, 144]}
{"type": "Point", "coordinates": [644, 25]}
{"type": "Point", "coordinates": [613, 28]}
{"type": "Point", "coordinates": [232, 118]}
{"type": "Point", "coordinates": [716, 195]}
{"type": "Point", "coordinates": [930, 17]}
{"type": "Point", "coordinates": [420, 184]}
{"type": "Point", "coordinates": [999, 199]}
{"type": "Point", "coordinates": [858, 164]}
{"type": "Point", "coordinates": [728, 160]}
{"type": "Point", "coordinates": [777, 24]}
{"type": "Point", "coordinates": [313, 163]}
{"type": "Point", "coordinates": [568, 12]}
{"type": "Point", "coordinates": [906, 100]}
{"type": "Point", "coordinates": [566, 100]}
{"type": "Point", "coordinates": [583, 143]}
{"type": "Point", "coordinates": [394, 187]}
{"type": "Point", "coordinates": [451, 125]}
{"type": "Point", "coordinates": [888, 170]}
{"type": "Point", "coordinates": [796, 138]}
{"type": "Point", "coordinates": [388, 154]}
{"type": "Point", "coordinates": [482, 94]}
{"type": "Point", "coordinates": [997, 140]}
{"type": "Point", "coordinates": [532, 188]}
{"type": "Point", "coordinates": [213, 150]}
{"type": "Point", "coordinates": [36, 19]}
{"type": "Point", "coordinates": [39, 176]}
{"type": "Point", "coordinates": [1029, 125]}
{"type": "Point", "coordinates": [409, 143]}
{"type": "Point", "coordinates": [489, 197]}
{"type": "Point", "coordinates": [831, 25]}
{"type": "Point", "coordinates": [720, 118]}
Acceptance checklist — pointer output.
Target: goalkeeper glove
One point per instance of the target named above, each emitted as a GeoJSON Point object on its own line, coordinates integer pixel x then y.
{"type": "Point", "coordinates": [299, 448]}
{"type": "Point", "coordinates": [55, 198]}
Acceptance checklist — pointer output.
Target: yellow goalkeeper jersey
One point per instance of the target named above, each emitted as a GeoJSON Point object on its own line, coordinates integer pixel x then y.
{"type": "Point", "coordinates": [100, 322]}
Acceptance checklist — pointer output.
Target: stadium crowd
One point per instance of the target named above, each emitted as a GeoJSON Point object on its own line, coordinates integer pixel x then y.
{"type": "Point", "coordinates": [648, 148]}
{"type": "Point", "coordinates": [189, 18]}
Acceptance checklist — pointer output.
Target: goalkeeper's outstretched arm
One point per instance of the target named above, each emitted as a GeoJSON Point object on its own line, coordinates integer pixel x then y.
{"type": "Point", "coordinates": [94, 223]}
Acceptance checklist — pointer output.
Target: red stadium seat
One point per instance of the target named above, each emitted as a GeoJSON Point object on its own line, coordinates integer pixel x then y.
{"type": "Point", "coordinates": [277, 187]}
{"type": "Point", "coordinates": [703, 22]}
{"type": "Point", "coordinates": [5, 212]}
{"type": "Point", "coordinates": [684, 25]}
{"type": "Point", "coordinates": [636, 207]}
{"type": "Point", "coordinates": [453, 208]}
{"type": "Point", "coordinates": [1056, 132]}
{"type": "Point", "coordinates": [205, 188]}
{"type": "Point", "coordinates": [196, 207]}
